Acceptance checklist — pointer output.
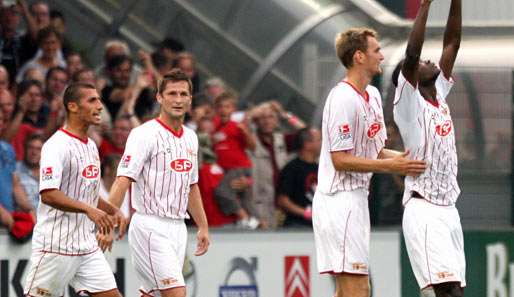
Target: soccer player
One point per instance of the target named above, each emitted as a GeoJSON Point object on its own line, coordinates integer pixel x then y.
{"type": "Point", "coordinates": [161, 158]}
{"type": "Point", "coordinates": [431, 223]}
{"type": "Point", "coordinates": [352, 147]}
{"type": "Point", "coordinates": [64, 247]}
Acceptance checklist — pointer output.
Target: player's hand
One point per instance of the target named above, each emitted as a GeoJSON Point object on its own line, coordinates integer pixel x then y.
{"type": "Point", "coordinates": [103, 221]}
{"type": "Point", "coordinates": [105, 240]}
{"type": "Point", "coordinates": [202, 242]}
{"type": "Point", "coordinates": [121, 222]}
{"type": "Point", "coordinates": [401, 165]}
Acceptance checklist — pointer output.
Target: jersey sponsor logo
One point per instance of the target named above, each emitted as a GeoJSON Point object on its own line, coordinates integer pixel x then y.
{"type": "Point", "coordinates": [47, 173]}
{"type": "Point", "coordinates": [374, 129]}
{"type": "Point", "coordinates": [344, 132]}
{"type": "Point", "coordinates": [444, 129]}
{"type": "Point", "coordinates": [125, 161]}
{"type": "Point", "coordinates": [91, 171]}
{"type": "Point", "coordinates": [181, 165]}
{"type": "Point", "coordinates": [297, 276]}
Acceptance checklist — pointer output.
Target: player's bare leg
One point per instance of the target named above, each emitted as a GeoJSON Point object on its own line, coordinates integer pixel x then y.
{"type": "Point", "coordinates": [174, 292]}
{"type": "Point", "coordinates": [450, 289]}
{"type": "Point", "coordinates": [352, 285]}
{"type": "Point", "coordinates": [110, 293]}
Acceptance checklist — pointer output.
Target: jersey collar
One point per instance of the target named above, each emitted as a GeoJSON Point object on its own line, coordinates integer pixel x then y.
{"type": "Point", "coordinates": [178, 133]}
{"type": "Point", "coordinates": [74, 136]}
{"type": "Point", "coordinates": [364, 96]}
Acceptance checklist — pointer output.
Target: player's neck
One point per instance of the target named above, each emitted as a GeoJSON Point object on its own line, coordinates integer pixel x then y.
{"type": "Point", "coordinates": [428, 92]}
{"type": "Point", "coordinates": [174, 123]}
{"type": "Point", "coordinates": [358, 80]}
{"type": "Point", "coordinates": [76, 127]}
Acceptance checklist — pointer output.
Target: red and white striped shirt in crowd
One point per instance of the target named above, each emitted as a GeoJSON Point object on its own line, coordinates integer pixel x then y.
{"type": "Point", "coordinates": [163, 163]}
{"type": "Point", "coordinates": [427, 131]}
{"type": "Point", "coordinates": [352, 122]}
{"type": "Point", "coordinates": [72, 166]}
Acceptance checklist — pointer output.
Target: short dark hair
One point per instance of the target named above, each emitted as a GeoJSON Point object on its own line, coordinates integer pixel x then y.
{"type": "Point", "coordinates": [396, 72]}
{"type": "Point", "coordinates": [47, 32]}
{"type": "Point", "coordinates": [117, 60]}
{"type": "Point", "coordinates": [73, 92]}
{"type": "Point", "coordinates": [56, 14]}
{"type": "Point", "coordinates": [25, 85]}
{"type": "Point", "coordinates": [34, 136]}
{"type": "Point", "coordinates": [302, 136]}
{"type": "Point", "coordinates": [174, 75]}
{"type": "Point", "coordinates": [55, 69]}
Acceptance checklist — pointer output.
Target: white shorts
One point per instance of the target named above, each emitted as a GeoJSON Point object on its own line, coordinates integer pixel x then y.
{"type": "Point", "coordinates": [435, 244]}
{"type": "Point", "coordinates": [342, 231]}
{"type": "Point", "coordinates": [158, 248]}
{"type": "Point", "coordinates": [50, 274]}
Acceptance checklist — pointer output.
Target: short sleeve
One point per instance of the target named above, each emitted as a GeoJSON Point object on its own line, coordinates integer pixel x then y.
{"type": "Point", "coordinates": [51, 166]}
{"type": "Point", "coordinates": [407, 103]}
{"type": "Point", "coordinates": [135, 154]}
{"type": "Point", "coordinates": [443, 86]}
{"type": "Point", "coordinates": [338, 124]}
{"type": "Point", "coordinates": [194, 173]}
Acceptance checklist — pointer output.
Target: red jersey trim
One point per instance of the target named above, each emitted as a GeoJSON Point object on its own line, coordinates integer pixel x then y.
{"type": "Point", "coordinates": [129, 177]}
{"type": "Point", "coordinates": [175, 133]}
{"type": "Point", "coordinates": [74, 136]}
{"type": "Point", "coordinates": [433, 103]}
{"type": "Point", "coordinates": [365, 96]}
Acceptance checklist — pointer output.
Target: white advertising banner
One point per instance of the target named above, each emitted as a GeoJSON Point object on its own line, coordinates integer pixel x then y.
{"type": "Point", "coordinates": [238, 264]}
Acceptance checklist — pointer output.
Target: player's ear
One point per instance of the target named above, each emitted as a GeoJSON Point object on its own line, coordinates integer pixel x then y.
{"type": "Point", "coordinates": [358, 57]}
{"type": "Point", "coordinates": [73, 106]}
{"type": "Point", "coordinates": [159, 97]}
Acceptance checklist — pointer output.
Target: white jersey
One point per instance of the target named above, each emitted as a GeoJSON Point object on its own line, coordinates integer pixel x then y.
{"type": "Point", "coordinates": [352, 122]}
{"type": "Point", "coordinates": [72, 166]}
{"type": "Point", "coordinates": [164, 165]}
{"type": "Point", "coordinates": [427, 132]}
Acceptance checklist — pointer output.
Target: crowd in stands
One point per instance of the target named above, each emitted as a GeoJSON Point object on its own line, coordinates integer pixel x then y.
{"type": "Point", "coordinates": [258, 167]}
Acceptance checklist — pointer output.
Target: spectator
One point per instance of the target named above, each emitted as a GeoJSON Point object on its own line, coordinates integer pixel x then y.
{"type": "Point", "coordinates": [38, 18]}
{"type": "Point", "coordinates": [298, 180]}
{"type": "Point", "coordinates": [59, 23]}
{"type": "Point", "coordinates": [213, 88]}
{"type": "Point", "coordinates": [34, 74]}
{"type": "Point", "coordinates": [112, 49]}
{"type": "Point", "coordinates": [49, 41]}
{"type": "Point", "coordinates": [74, 63]}
{"type": "Point", "coordinates": [12, 195]}
{"type": "Point", "coordinates": [10, 39]}
{"type": "Point", "coordinates": [210, 175]}
{"type": "Point", "coordinates": [115, 143]}
{"type": "Point", "coordinates": [109, 168]}
{"type": "Point", "coordinates": [28, 169]}
{"type": "Point", "coordinates": [270, 156]}
{"type": "Point", "coordinates": [170, 48]}
{"type": "Point", "coordinates": [7, 105]}
{"type": "Point", "coordinates": [187, 63]}
{"type": "Point", "coordinates": [30, 116]}
{"type": "Point", "coordinates": [119, 69]}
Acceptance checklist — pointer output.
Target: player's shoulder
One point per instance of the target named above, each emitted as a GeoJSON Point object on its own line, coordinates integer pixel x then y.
{"type": "Point", "coordinates": [373, 91]}
{"type": "Point", "coordinates": [147, 129]}
{"type": "Point", "coordinates": [190, 133]}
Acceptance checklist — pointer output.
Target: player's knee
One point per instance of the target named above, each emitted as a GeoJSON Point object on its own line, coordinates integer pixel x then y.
{"type": "Point", "coordinates": [452, 289]}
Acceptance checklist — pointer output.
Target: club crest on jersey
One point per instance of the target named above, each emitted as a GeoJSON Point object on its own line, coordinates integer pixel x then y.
{"type": "Point", "coordinates": [125, 161]}
{"type": "Point", "coordinates": [181, 165]}
{"type": "Point", "coordinates": [91, 171]}
{"type": "Point", "coordinates": [374, 129]}
{"type": "Point", "coordinates": [47, 173]}
{"type": "Point", "coordinates": [344, 132]}
{"type": "Point", "coordinates": [444, 129]}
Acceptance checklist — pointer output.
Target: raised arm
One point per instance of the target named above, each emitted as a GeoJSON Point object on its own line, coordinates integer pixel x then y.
{"type": "Point", "coordinates": [452, 37]}
{"type": "Point", "coordinates": [415, 44]}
